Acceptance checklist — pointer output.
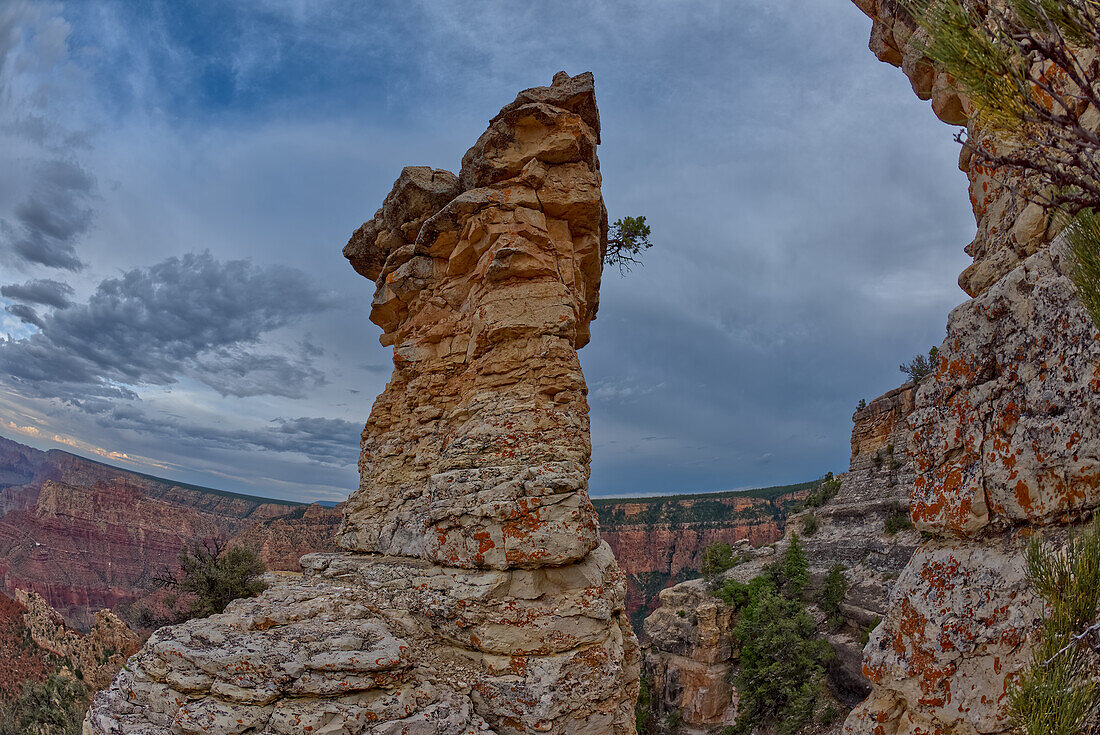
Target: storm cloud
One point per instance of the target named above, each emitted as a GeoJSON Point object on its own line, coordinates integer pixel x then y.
{"type": "Point", "coordinates": [43, 291]}
{"type": "Point", "coordinates": [191, 315]}
{"type": "Point", "coordinates": [808, 219]}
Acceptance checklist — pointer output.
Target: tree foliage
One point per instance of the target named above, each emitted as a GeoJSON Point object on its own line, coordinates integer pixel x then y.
{"type": "Point", "coordinates": [1060, 693]}
{"type": "Point", "coordinates": [213, 576]}
{"type": "Point", "coordinates": [1019, 63]}
{"type": "Point", "coordinates": [833, 591]}
{"type": "Point", "coordinates": [717, 558]}
{"type": "Point", "coordinates": [54, 707]}
{"type": "Point", "coordinates": [794, 570]}
{"type": "Point", "coordinates": [627, 238]}
{"type": "Point", "coordinates": [921, 366]}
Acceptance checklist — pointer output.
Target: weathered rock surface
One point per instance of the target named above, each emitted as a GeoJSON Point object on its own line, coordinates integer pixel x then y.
{"type": "Point", "coordinates": [474, 593]}
{"type": "Point", "coordinates": [1004, 447]}
{"type": "Point", "coordinates": [1009, 228]}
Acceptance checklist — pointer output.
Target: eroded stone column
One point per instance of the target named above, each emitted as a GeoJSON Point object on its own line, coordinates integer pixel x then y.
{"type": "Point", "coordinates": [474, 594]}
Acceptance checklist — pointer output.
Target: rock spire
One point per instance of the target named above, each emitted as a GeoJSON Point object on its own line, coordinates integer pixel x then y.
{"type": "Point", "coordinates": [473, 594]}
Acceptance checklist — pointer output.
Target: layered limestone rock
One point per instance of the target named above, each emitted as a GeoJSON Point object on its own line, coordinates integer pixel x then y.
{"type": "Point", "coordinates": [1004, 447]}
{"type": "Point", "coordinates": [474, 594]}
{"type": "Point", "coordinates": [691, 655]}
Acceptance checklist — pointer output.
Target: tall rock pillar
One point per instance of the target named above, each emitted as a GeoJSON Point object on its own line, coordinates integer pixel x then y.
{"type": "Point", "coordinates": [474, 594]}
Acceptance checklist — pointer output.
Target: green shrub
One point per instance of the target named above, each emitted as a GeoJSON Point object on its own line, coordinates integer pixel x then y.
{"type": "Point", "coordinates": [898, 520]}
{"type": "Point", "coordinates": [214, 576]}
{"type": "Point", "coordinates": [866, 634]}
{"type": "Point", "coordinates": [920, 367]}
{"type": "Point", "coordinates": [1084, 239]}
{"type": "Point", "coordinates": [781, 663]}
{"type": "Point", "coordinates": [1059, 693]}
{"type": "Point", "coordinates": [826, 490]}
{"type": "Point", "coordinates": [643, 710]}
{"type": "Point", "coordinates": [810, 524]}
{"type": "Point", "coordinates": [832, 592]}
{"type": "Point", "coordinates": [717, 558]}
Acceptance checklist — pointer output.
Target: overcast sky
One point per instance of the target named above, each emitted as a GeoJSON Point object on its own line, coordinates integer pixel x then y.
{"type": "Point", "coordinates": [177, 180]}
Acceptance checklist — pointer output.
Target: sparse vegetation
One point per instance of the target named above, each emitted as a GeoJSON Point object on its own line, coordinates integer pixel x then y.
{"type": "Point", "coordinates": [53, 707]}
{"type": "Point", "coordinates": [827, 489]}
{"type": "Point", "coordinates": [627, 238]}
{"type": "Point", "coordinates": [1084, 239]}
{"type": "Point", "coordinates": [1060, 693]}
{"type": "Point", "coordinates": [643, 710]}
{"type": "Point", "coordinates": [898, 520]}
{"type": "Point", "coordinates": [865, 635]}
{"type": "Point", "coordinates": [717, 558]}
{"type": "Point", "coordinates": [921, 366]}
{"type": "Point", "coordinates": [213, 576]}
{"type": "Point", "coordinates": [810, 524]}
{"type": "Point", "coordinates": [862, 404]}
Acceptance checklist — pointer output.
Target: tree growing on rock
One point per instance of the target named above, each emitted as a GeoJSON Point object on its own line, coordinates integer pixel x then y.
{"type": "Point", "coordinates": [627, 239]}
{"type": "Point", "coordinates": [920, 367]}
{"type": "Point", "coordinates": [213, 576]}
{"type": "Point", "coordinates": [1029, 69]}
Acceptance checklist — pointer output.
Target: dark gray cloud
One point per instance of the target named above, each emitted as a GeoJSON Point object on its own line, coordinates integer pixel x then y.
{"type": "Point", "coordinates": [193, 315]}
{"type": "Point", "coordinates": [43, 291]}
{"type": "Point", "coordinates": [26, 314]}
{"type": "Point", "coordinates": [52, 217]}
{"type": "Point", "coordinates": [325, 441]}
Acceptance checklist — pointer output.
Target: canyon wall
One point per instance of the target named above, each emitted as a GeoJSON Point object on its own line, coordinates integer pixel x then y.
{"type": "Point", "coordinates": [473, 593]}
{"type": "Point", "coordinates": [1004, 447]}
{"type": "Point", "coordinates": [88, 536]}
{"type": "Point", "coordinates": [691, 656]}
{"type": "Point", "coordinates": [660, 541]}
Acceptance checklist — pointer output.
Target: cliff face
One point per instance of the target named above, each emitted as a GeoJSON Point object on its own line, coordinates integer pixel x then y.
{"type": "Point", "coordinates": [87, 536]}
{"type": "Point", "coordinates": [474, 593]}
{"type": "Point", "coordinates": [1004, 447]}
{"type": "Point", "coordinates": [692, 652]}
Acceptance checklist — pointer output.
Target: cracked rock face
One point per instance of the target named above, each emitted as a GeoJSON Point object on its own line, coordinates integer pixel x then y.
{"type": "Point", "coordinates": [1004, 446]}
{"type": "Point", "coordinates": [473, 594]}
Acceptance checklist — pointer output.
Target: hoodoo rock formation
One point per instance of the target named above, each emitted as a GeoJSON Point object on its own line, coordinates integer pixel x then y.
{"type": "Point", "coordinates": [474, 593]}
{"type": "Point", "coordinates": [1005, 447]}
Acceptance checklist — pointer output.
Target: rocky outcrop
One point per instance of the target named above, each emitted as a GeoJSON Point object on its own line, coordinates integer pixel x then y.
{"type": "Point", "coordinates": [474, 593]}
{"type": "Point", "coordinates": [691, 653]}
{"type": "Point", "coordinates": [1009, 228]}
{"type": "Point", "coordinates": [98, 654]}
{"type": "Point", "coordinates": [1004, 447]}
